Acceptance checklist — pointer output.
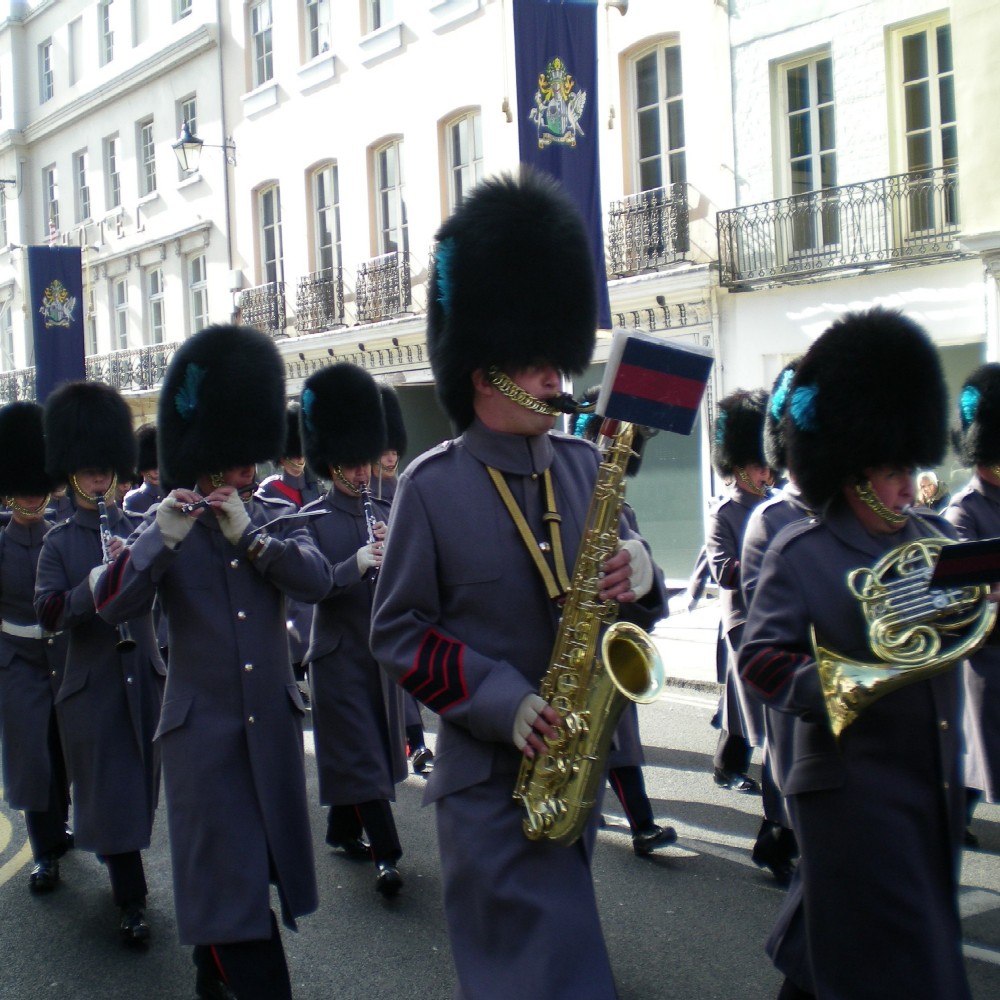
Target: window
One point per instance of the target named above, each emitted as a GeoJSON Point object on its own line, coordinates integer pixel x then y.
{"type": "Point", "coordinates": [113, 179]}
{"type": "Point", "coordinates": [45, 83]}
{"type": "Point", "coordinates": [119, 318]}
{"type": "Point", "coordinates": [198, 292]}
{"type": "Point", "coordinates": [106, 37]}
{"type": "Point", "coordinates": [380, 12]}
{"type": "Point", "coordinates": [465, 157]}
{"type": "Point", "coordinates": [317, 27]}
{"type": "Point", "coordinates": [659, 118]}
{"type": "Point", "coordinates": [390, 207]}
{"type": "Point", "coordinates": [182, 8]}
{"type": "Point", "coordinates": [269, 207]}
{"type": "Point", "coordinates": [3, 218]}
{"type": "Point", "coordinates": [260, 33]}
{"type": "Point", "coordinates": [90, 324]}
{"type": "Point", "coordinates": [326, 202]}
{"type": "Point", "coordinates": [147, 157]}
{"type": "Point", "coordinates": [75, 50]}
{"type": "Point", "coordinates": [50, 188]}
{"type": "Point", "coordinates": [811, 149]}
{"type": "Point", "coordinates": [154, 305]}
{"type": "Point", "coordinates": [6, 338]}
{"type": "Point", "coordinates": [140, 21]}
{"type": "Point", "coordinates": [81, 189]}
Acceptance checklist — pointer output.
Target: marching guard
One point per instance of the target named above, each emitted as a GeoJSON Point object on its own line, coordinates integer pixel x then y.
{"type": "Point", "coordinates": [148, 492]}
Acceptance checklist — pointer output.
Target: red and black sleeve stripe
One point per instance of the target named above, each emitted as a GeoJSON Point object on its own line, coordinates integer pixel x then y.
{"type": "Point", "coordinates": [109, 584]}
{"type": "Point", "coordinates": [437, 677]}
{"type": "Point", "coordinates": [770, 670]}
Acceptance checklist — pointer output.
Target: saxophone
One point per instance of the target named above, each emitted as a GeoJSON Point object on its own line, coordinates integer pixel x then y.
{"type": "Point", "coordinates": [597, 664]}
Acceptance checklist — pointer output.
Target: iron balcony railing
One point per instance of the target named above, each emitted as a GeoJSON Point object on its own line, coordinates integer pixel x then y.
{"type": "Point", "coordinates": [319, 301]}
{"type": "Point", "coordinates": [396, 356]}
{"type": "Point", "coordinates": [892, 220]}
{"type": "Point", "coordinates": [383, 288]}
{"type": "Point", "coordinates": [263, 308]}
{"type": "Point", "coordinates": [17, 384]}
{"type": "Point", "coordinates": [648, 230]}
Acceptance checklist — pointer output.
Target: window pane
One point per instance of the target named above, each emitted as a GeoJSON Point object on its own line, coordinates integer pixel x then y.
{"type": "Point", "coordinates": [828, 170]}
{"type": "Point", "coordinates": [802, 176]}
{"type": "Point", "coordinates": [678, 168]}
{"type": "Point", "coordinates": [650, 176]}
{"type": "Point", "coordinates": [675, 124]}
{"type": "Point", "coordinates": [918, 152]}
{"type": "Point", "coordinates": [672, 57]}
{"type": "Point", "coordinates": [827, 134]}
{"type": "Point", "coordinates": [798, 88]}
{"type": "Point", "coordinates": [824, 81]}
{"type": "Point", "coordinates": [649, 133]}
{"type": "Point", "coordinates": [646, 90]}
{"type": "Point", "coordinates": [799, 137]}
{"type": "Point", "coordinates": [944, 49]}
{"type": "Point", "coordinates": [949, 145]}
{"type": "Point", "coordinates": [946, 90]}
{"type": "Point", "coordinates": [915, 57]}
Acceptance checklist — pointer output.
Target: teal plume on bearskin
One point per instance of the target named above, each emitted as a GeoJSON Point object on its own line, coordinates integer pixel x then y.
{"type": "Point", "coordinates": [738, 435]}
{"type": "Point", "coordinates": [342, 422]}
{"type": "Point", "coordinates": [395, 427]}
{"type": "Point", "coordinates": [977, 436]}
{"type": "Point", "coordinates": [22, 445]}
{"type": "Point", "coordinates": [868, 393]}
{"type": "Point", "coordinates": [775, 453]}
{"type": "Point", "coordinates": [222, 404]}
{"type": "Point", "coordinates": [88, 425]}
{"type": "Point", "coordinates": [512, 283]}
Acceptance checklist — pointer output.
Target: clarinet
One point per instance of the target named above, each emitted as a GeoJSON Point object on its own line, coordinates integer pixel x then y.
{"type": "Point", "coordinates": [125, 640]}
{"type": "Point", "coordinates": [370, 519]}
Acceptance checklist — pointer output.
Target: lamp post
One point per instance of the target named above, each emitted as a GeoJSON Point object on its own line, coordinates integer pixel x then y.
{"type": "Point", "coordinates": [188, 149]}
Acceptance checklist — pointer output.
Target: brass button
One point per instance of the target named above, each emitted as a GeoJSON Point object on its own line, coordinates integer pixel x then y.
{"type": "Point", "coordinates": [241, 615]}
{"type": "Point", "coordinates": [944, 725]}
{"type": "Point", "coordinates": [946, 786]}
{"type": "Point", "coordinates": [248, 667]}
{"type": "Point", "coordinates": [234, 563]}
{"type": "Point", "coordinates": [544, 546]}
{"type": "Point", "coordinates": [251, 720]}
{"type": "Point", "coordinates": [128, 680]}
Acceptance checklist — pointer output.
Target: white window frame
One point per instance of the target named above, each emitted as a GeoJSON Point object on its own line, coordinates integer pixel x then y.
{"type": "Point", "coordinates": [90, 323]}
{"type": "Point", "coordinates": [669, 159]}
{"type": "Point", "coordinates": [145, 150]}
{"type": "Point", "coordinates": [182, 8]}
{"type": "Point", "coordinates": [156, 323]}
{"type": "Point", "coordinates": [81, 189]}
{"type": "Point", "coordinates": [3, 219]}
{"type": "Point", "coordinates": [50, 191]}
{"type": "Point", "coordinates": [197, 274]}
{"type": "Point", "coordinates": [325, 183]}
{"type": "Point", "coordinates": [7, 360]}
{"type": "Point", "coordinates": [106, 34]}
{"type": "Point", "coordinates": [379, 13]}
{"type": "Point", "coordinates": [75, 46]}
{"type": "Point", "coordinates": [112, 173]}
{"type": "Point", "coordinates": [316, 28]}
{"type": "Point", "coordinates": [391, 223]}
{"type": "Point", "coordinates": [271, 251]}
{"type": "Point", "coordinates": [261, 42]}
{"type": "Point", "coordinates": [119, 313]}
{"type": "Point", "coordinates": [46, 79]}
{"type": "Point", "coordinates": [465, 164]}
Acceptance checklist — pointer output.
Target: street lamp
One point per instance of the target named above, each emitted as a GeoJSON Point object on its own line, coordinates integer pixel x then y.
{"type": "Point", "coordinates": [188, 149]}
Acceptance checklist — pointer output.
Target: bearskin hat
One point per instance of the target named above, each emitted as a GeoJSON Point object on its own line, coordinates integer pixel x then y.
{"type": "Point", "coordinates": [512, 282]}
{"type": "Point", "coordinates": [22, 445]}
{"type": "Point", "coordinates": [293, 437]}
{"type": "Point", "coordinates": [145, 439]}
{"type": "Point", "coordinates": [343, 422]}
{"type": "Point", "coordinates": [88, 425]}
{"type": "Point", "coordinates": [739, 431]}
{"type": "Point", "coordinates": [222, 404]}
{"type": "Point", "coordinates": [868, 393]}
{"type": "Point", "coordinates": [395, 429]}
{"type": "Point", "coordinates": [977, 438]}
{"type": "Point", "coordinates": [774, 431]}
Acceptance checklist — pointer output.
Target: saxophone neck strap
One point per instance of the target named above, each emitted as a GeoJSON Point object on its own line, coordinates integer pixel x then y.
{"type": "Point", "coordinates": [552, 520]}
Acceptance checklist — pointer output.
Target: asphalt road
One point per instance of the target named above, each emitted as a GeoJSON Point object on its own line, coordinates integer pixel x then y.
{"type": "Point", "coordinates": [688, 923]}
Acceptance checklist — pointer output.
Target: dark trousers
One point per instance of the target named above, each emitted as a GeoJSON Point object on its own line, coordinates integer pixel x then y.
{"type": "Point", "coordinates": [732, 753]}
{"type": "Point", "coordinates": [628, 784]}
{"type": "Point", "coordinates": [253, 970]}
{"type": "Point", "coordinates": [374, 818]}
{"type": "Point", "coordinates": [128, 879]}
{"type": "Point", "coordinates": [47, 828]}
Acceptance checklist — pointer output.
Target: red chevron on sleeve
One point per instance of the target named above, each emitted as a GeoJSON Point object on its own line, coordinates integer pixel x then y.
{"type": "Point", "coordinates": [770, 670]}
{"type": "Point", "coordinates": [437, 677]}
{"type": "Point", "coordinates": [111, 582]}
{"type": "Point", "coordinates": [51, 612]}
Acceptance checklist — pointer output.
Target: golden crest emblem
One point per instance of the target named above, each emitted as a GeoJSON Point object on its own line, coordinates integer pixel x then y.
{"type": "Point", "coordinates": [57, 305]}
{"type": "Point", "coordinates": [558, 106]}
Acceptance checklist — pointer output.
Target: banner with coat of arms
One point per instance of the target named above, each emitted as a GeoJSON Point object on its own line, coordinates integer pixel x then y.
{"type": "Point", "coordinates": [555, 56]}
{"type": "Point", "coordinates": [55, 289]}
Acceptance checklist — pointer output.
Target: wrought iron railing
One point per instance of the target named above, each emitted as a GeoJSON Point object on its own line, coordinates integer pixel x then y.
{"type": "Point", "coordinates": [135, 370]}
{"type": "Point", "coordinates": [17, 384]}
{"type": "Point", "coordinates": [319, 301]}
{"type": "Point", "coordinates": [383, 288]}
{"type": "Point", "coordinates": [263, 308]}
{"type": "Point", "coordinates": [891, 220]}
{"type": "Point", "coordinates": [648, 230]}
{"type": "Point", "coordinates": [396, 356]}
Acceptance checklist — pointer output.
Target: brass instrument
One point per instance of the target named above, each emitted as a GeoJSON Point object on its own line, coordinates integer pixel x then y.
{"type": "Point", "coordinates": [595, 667]}
{"type": "Point", "coordinates": [125, 641]}
{"type": "Point", "coordinates": [913, 632]}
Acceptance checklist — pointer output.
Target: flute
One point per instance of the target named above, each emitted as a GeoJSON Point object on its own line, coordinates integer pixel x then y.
{"type": "Point", "coordinates": [125, 640]}
{"type": "Point", "coordinates": [245, 494]}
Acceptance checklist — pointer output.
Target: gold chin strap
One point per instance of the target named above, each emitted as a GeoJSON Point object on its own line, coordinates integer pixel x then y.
{"type": "Point", "coordinates": [27, 511]}
{"type": "Point", "coordinates": [296, 468]}
{"type": "Point", "coordinates": [108, 494]}
{"type": "Point", "coordinates": [748, 484]}
{"type": "Point", "coordinates": [502, 381]}
{"type": "Point", "coordinates": [341, 478]}
{"type": "Point", "coordinates": [994, 470]}
{"type": "Point", "coordinates": [869, 498]}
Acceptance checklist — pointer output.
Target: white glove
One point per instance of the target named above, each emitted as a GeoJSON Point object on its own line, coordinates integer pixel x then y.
{"type": "Point", "coordinates": [172, 522]}
{"type": "Point", "coordinates": [95, 574]}
{"type": "Point", "coordinates": [366, 558]}
{"type": "Point", "coordinates": [641, 566]}
{"type": "Point", "coordinates": [528, 711]}
{"type": "Point", "coordinates": [233, 518]}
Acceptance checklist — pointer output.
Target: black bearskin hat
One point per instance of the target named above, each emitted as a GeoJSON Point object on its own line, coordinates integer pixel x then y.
{"type": "Point", "coordinates": [88, 425]}
{"type": "Point", "coordinates": [868, 393]}
{"type": "Point", "coordinates": [222, 404]}
{"type": "Point", "coordinates": [395, 429]}
{"type": "Point", "coordinates": [512, 283]}
{"type": "Point", "coordinates": [145, 439]}
{"type": "Point", "coordinates": [343, 422]}
{"type": "Point", "coordinates": [977, 439]}
{"type": "Point", "coordinates": [774, 430]}
{"type": "Point", "coordinates": [22, 445]}
{"type": "Point", "coordinates": [293, 437]}
{"type": "Point", "coordinates": [739, 431]}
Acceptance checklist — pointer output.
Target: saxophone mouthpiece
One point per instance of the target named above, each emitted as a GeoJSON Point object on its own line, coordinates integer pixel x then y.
{"type": "Point", "coordinates": [565, 403]}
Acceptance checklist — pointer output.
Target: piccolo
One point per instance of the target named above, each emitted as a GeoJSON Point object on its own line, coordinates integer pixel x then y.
{"type": "Point", "coordinates": [245, 494]}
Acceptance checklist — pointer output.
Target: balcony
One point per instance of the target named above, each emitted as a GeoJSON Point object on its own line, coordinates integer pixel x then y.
{"type": "Point", "coordinates": [890, 221]}
{"type": "Point", "coordinates": [647, 231]}
{"type": "Point", "coordinates": [319, 301]}
{"type": "Point", "coordinates": [17, 384]}
{"type": "Point", "coordinates": [383, 288]}
{"type": "Point", "coordinates": [263, 308]}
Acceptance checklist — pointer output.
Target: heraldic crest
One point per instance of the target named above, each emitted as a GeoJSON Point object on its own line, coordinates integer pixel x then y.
{"type": "Point", "coordinates": [558, 108]}
{"type": "Point", "coordinates": [57, 305]}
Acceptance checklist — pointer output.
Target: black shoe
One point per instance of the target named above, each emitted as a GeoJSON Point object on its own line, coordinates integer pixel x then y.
{"type": "Point", "coordinates": [781, 869]}
{"type": "Point", "coordinates": [970, 839]}
{"type": "Point", "coordinates": [45, 875]}
{"type": "Point", "coordinates": [133, 926]}
{"type": "Point", "coordinates": [388, 881]}
{"type": "Point", "coordinates": [209, 987]}
{"type": "Point", "coordinates": [657, 836]}
{"type": "Point", "coordinates": [66, 845]}
{"type": "Point", "coordinates": [737, 782]}
{"type": "Point", "coordinates": [352, 847]}
{"type": "Point", "coordinates": [422, 759]}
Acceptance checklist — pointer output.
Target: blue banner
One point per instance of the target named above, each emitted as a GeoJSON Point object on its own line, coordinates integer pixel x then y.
{"type": "Point", "coordinates": [555, 58]}
{"type": "Point", "coordinates": [55, 284]}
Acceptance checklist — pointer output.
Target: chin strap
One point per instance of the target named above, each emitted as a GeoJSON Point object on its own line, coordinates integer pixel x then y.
{"type": "Point", "coordinates": [505, 384]}
{"type": "Point", "coordinates": [868, 497]}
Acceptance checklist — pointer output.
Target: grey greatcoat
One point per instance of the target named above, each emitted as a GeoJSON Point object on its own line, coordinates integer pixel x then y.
{"type": "Point", "coordinates": [975, 513]}
{"type": "Point", "coordinates": [463, 621]}
{"type": "Point", "coordinates": [31, 670]}
{"type": "Point", "coordinates": [879, 812]}
{"type": "Point", "coordinates": [231, 729]}
{"type": "Point", "coordinates": [109, 701]}
{"type": "Point", "coordinates": [357, 709]}
{"type": "Point", "coordinates": [139, 500]}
